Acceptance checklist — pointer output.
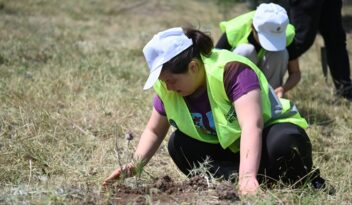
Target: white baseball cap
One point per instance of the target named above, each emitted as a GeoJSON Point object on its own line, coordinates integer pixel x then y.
{"type": "Point", "coordinates": [163, 47]}
{"type": "Point", "coordinates": [270, 21]}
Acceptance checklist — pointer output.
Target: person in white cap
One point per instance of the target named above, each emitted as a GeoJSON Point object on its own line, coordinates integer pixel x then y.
{"type": "Point", "coordinates": [265, 37]}
{"type": "Point", "coordinates": [224, 110]}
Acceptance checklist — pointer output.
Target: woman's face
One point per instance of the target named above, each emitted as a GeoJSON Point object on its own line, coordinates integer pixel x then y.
{"type": "Point", "coordinates": [184, 83]}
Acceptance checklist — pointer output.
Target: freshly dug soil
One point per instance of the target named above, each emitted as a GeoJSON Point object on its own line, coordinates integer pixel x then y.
{"type": "Point", "coordinates": [165, 191]}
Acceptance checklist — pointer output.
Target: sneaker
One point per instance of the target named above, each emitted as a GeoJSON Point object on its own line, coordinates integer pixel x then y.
{"type": "Point", "coordinates": [319, 183]}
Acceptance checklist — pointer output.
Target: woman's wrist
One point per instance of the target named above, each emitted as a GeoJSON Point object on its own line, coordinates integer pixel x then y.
{"type": "Point", "coordinates": [247, 176]}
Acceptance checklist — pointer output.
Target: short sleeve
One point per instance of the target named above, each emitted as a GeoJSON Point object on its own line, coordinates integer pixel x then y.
{"type": "Point", "coordinates": [239, 79]}
{"type": "Point", "coordinates": [159, 105]}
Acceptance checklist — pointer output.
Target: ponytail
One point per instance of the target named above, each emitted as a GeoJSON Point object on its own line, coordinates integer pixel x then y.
{"type": "Point", "coordinates": [201, 41]}
{"type": "Point", "coordinates": [202, 45]}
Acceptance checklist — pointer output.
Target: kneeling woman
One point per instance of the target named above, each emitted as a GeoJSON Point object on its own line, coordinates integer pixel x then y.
{"type": "Point", "coordinates": [223, 109]}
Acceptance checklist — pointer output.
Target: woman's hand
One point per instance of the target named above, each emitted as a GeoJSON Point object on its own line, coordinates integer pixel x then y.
{"type": "Point", "coordinates": [280, 91]}
{"type": "Point", "coordinates": [248, 185]}
{"type": "Point", "coordinates": [127, 170]}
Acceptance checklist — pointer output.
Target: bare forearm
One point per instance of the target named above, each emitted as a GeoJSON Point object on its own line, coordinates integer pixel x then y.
{"type": "Point", "coordinates": [147, 146]}
{"type": "Point", "coordinates": [294, 75]}
{"type": "Point", "coordinates": [151, 138]}
{"type": "Point", "coordinates": [292, 81]}
{"type": "Point", "coordinates": [251, 145]}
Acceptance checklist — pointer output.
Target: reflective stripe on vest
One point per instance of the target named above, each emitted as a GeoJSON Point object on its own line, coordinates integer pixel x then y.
{"type": "Point", "coordinates": [226, 124]}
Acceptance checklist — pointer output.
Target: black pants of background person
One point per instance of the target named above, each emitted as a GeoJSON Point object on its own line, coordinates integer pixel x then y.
{"type": "Point", "coordinates": [324, 16]}
{"type": "Point", "coordinates": [286, 154]}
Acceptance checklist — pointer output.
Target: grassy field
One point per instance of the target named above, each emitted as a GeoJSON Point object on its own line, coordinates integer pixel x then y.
{"type": "Point", "coordinates": [71, 78]}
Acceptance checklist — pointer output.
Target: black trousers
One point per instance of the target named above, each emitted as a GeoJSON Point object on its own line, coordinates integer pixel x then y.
{"type": "Point", "coordinates": [286, 154]}
{"type": "Point", "coordinates": [324, 16]}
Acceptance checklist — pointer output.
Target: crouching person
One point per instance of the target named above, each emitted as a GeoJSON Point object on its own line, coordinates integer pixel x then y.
{"type": "Point", "coordinates": [222, 109]}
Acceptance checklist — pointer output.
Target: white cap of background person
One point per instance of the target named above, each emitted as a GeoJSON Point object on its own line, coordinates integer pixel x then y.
{"type": "Point", "coordinates": [270, 22]}
{"type": "Point", "coordinates": [164, 46]}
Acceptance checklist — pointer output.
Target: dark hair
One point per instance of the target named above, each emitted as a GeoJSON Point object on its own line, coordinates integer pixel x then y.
{"type": "Point", "coordinates": [202, 44]}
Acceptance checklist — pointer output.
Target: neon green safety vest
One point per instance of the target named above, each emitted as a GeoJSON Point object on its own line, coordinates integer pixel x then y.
{"type": "Point", "coordinates": [238, 29]}
{"type": "Point", "coordinates": [226, 124]}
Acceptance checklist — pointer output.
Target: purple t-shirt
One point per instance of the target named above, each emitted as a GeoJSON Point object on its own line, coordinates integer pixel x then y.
{"type": "Point", "coordinates": [238, 80]}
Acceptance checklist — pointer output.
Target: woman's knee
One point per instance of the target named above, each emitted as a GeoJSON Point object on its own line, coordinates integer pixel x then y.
{"type": "Point", "coordinates": [286, 140]}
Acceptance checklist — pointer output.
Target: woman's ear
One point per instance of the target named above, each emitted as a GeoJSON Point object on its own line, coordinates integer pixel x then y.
{"type": "Point", "coordinates": [194, 66]}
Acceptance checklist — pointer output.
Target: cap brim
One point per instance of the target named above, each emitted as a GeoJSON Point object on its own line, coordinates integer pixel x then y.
{"type": "Point", "coordinates": [153, 77]}
{"type": "Point", "coordinates": [272, 41]}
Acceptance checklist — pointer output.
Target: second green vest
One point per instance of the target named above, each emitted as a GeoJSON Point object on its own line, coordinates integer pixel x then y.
{"type": "Point", "coordinates": [238, 29]}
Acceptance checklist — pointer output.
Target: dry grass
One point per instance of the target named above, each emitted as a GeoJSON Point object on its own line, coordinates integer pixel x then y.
{"type": "Point", "coordinates": [71, 77]}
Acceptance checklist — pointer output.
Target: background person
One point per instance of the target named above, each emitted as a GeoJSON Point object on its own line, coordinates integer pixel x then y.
{"type": "Point", "coordinates": [311, 17]}
{"type": "Point", "coordinates": [222, 108]}
{"type": "Point", "coordinates": [265, 37]}
{"type": "Point", "coordinates": [324, 16]}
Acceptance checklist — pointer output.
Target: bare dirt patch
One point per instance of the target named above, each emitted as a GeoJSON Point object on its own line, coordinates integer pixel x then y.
{"type": "Point", "coordinates": [165, 190]}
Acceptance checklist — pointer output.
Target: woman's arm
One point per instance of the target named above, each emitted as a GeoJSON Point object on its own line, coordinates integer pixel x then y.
{"type": "Point", "coordinates": [294, 76]}
{"type": "Point", "coordinates": [150, 140]}
{"type": "Point", "coordinates": [152, 136]}
{"type": "Point", "coordinates": [249, 114]}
